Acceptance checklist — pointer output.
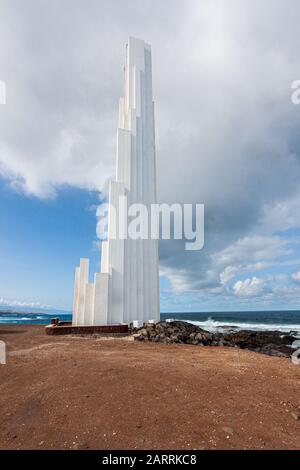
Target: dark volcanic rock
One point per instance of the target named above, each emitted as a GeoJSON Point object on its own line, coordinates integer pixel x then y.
{"type": "Point", "coordinates": [273, 343]}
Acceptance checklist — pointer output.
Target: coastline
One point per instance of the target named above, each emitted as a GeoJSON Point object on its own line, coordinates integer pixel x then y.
{"type": "Point", "coordinates": [273, 343]}
{"type": "Point", "coordinates": [284, 321]}
{"type": "Point", "coordinates": [123, 394]}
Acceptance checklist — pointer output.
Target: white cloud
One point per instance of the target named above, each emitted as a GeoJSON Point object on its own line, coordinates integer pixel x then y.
{"type": "Point", "coordinates": [22, 303]}
{"type": "Point", "coordinates": [255, 248]}
{"type": "Point", "coordinates": [228, 273]}
{"type": "Point", "coordinates": [296, 276]}
{"type": "Point", "coordinates": [250, 287]}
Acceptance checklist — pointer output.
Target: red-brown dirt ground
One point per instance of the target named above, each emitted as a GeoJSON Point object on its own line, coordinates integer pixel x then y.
{"type": "Point", "coordinates": [91, 393]}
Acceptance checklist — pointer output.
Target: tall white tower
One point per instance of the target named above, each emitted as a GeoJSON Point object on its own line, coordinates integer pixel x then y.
{"type": "Point", "coordinates": [127, 288]}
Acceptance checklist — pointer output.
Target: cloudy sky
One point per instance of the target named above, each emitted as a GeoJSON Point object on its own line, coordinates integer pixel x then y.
{"type": "Point", "coordinates": [228, 136]}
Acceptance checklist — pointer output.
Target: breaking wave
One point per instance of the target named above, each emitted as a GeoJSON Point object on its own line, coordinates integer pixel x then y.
{"type": "Point", "coordinates": [214, 325]}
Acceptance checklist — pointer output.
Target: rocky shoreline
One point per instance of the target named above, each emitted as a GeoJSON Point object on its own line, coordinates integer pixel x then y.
{"type": "Point", "coordinates": [272, 343]}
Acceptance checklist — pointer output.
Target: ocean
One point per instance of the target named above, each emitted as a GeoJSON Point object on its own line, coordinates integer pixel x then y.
{"type": "Point", "coordinates": [284, 321]}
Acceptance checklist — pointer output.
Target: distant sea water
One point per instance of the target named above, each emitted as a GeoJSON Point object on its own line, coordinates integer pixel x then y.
{"type": "Point", "coordinates": [29, 318]}
{"type": "Point", "coordinates": [284, 321]}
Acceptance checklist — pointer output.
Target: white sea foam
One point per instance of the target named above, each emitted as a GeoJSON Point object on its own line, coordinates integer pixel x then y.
{"type": "Point", "coordinates": [14, 319]}
{"type": "Point", "coordinates": [213, 326]}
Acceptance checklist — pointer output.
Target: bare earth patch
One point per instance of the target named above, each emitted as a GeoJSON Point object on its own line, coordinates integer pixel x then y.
{"type": "Point", "coordinates": [86, 393]}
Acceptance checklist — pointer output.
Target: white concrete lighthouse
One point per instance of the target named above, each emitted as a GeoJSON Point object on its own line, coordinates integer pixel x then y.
{"type": "Point", "coordinates": [127, 288]}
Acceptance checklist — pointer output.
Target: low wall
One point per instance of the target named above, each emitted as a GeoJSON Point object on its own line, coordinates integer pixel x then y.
{"type": "Point", "coordinates": [66, 328]}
